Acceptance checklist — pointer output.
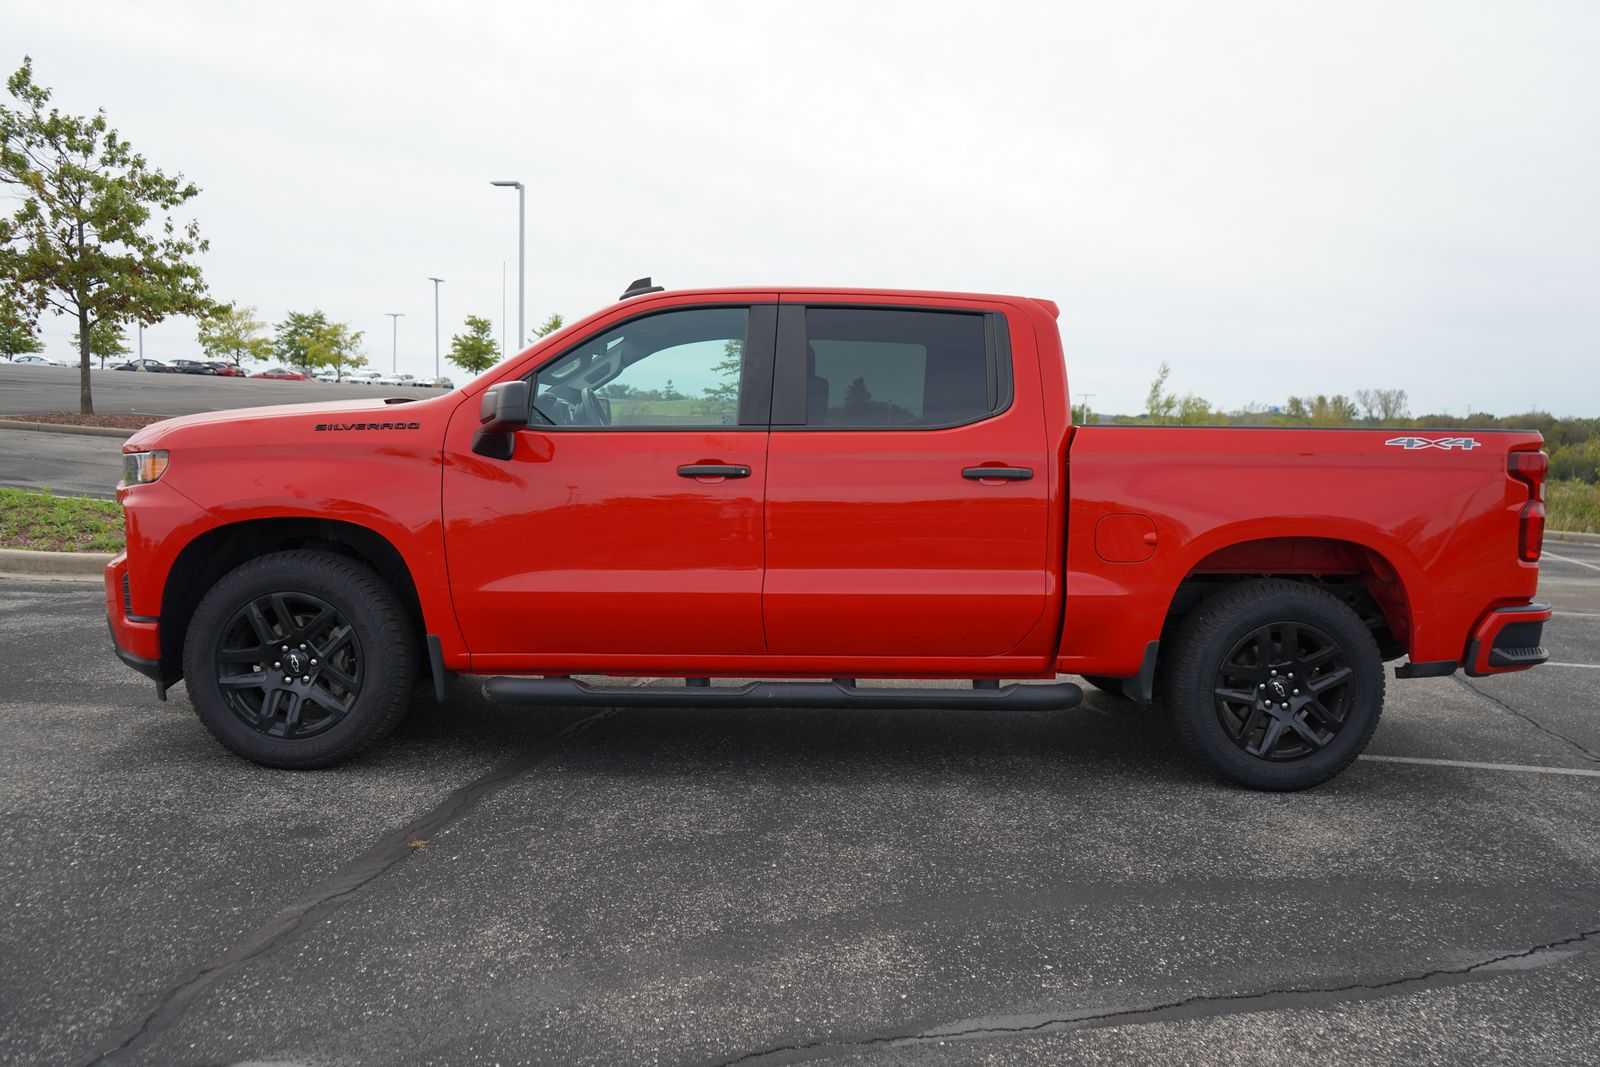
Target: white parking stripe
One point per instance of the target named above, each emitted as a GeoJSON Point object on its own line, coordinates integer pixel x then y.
{"type": "Point", "coordinates": [1470, 765]}
{"type": "Point", "coordinates": [1577, 614]}
{"type": "Point", "coordinates": [1569, 559]}
{"type": "Point", "coordinates": [1580, 666]}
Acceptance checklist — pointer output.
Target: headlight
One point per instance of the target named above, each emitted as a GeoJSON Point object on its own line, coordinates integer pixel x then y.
{"type": "Point", "coordinates": [142, 466]}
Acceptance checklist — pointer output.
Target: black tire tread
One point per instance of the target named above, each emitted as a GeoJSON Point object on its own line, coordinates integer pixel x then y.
{"type": "Point", "coordinates": [1189, 661]}
{"type": "Point", "coordinates": [394, 677]}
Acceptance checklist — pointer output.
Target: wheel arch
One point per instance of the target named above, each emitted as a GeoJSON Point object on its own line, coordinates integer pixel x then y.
{"type": "Point", "coordinates": [219, 550]}
{"type": "Point", "coordinates": [1371, 580]}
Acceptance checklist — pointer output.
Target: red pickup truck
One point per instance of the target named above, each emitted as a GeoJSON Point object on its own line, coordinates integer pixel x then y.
{"type": "Point", "coordinates": [815, 487]}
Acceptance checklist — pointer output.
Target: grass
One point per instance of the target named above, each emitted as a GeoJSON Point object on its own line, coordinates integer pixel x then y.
{"type": "Point", "coordinates": [1572, 505]}
{"type": "Point", "coordinates": [37, 520]}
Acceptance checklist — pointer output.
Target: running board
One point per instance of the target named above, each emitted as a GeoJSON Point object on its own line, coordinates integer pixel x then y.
{"type": "Point", "coordinates": [568, 692]}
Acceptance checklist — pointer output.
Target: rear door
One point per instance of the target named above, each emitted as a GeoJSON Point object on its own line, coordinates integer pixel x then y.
{"type": "Point", "coordinates": [907, 484]}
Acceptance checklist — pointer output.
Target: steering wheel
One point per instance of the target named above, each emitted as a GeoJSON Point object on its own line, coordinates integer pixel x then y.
{"type": "Point", "coordinates": [579, 407]}
{"type": "Point", "coordinates": [594, 412]}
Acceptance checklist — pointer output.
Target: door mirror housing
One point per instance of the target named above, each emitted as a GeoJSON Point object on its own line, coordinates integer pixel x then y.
{"type": "Point", "coordinates": [502, 412]}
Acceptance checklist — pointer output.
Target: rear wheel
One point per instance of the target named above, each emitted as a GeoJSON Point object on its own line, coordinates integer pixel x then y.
{"type": "Point", "coordinates": [300, 659]}
{"type": "Point", "coordinates": [1275, 684]}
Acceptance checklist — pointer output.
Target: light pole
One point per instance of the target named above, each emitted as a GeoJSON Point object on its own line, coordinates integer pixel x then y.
{"type": "Point", "coordinates": [522, 261]}
{"type": "Point", "coordinates": [436, 282]}
{"type": "Point", "coordinates": [394, 343]}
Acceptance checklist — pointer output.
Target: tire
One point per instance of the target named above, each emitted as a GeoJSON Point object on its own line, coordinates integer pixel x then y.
{"type": "Point", "coordinates": [348, 688]}
{"type": "Point", "coordinates": [1265, 640]}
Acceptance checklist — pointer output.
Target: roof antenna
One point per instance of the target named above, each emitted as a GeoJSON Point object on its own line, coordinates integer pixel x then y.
{"type": "Point", "coordinates": [641, 286]}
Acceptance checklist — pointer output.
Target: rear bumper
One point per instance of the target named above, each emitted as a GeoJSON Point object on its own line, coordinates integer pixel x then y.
{"type": "Point", "coordinates": [136, 638]}
{"type": "Point", "coordinates": [1508, 639]}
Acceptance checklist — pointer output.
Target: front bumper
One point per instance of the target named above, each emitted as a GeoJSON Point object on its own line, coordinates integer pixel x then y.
{"type": "Point", "coordinates": [1508, 639]}
{"type": "Point", "coordinates": [136, 638]}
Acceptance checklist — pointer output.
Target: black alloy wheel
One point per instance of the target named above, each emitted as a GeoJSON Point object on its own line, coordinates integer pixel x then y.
{"type": "Point", "coordinates": [300, 659]}
{"type": "Point", "coordinates": [289, 665]}
{"type": "Point", "coordinates": [1282, 691]}
{"type": "Point", "coordinates": [1276, 684]}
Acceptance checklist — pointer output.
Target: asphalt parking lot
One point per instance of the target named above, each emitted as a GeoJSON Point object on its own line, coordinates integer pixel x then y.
{"type": "Point", "coordinates": [503, 885]}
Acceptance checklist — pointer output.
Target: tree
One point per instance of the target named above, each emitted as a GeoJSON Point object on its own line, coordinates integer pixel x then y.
{"type": "Point", "coordinates": [17, 337]}
{"type": "Point", "coordinates": [550, 326]}
{"type": "Point", "coordinates": [106, 341]}
{"type": "Point", "coordinates": [1158, 403]}
{"type": "Point", "coordinates": [94, 237]}
{"type": "Point", "coordinates": [294, 335]}
{"type": "Point", "coordinates": [334, 345]}
{"type": "Point", "coordinates": [232, 334]}
{"type": "Point", "coordinates": [474, 351]}
{"type": "Point", "coordinates": [1384, 405]}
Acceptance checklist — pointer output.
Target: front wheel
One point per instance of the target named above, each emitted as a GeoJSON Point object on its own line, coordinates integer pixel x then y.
{"type": "Point", "coordinates": [300, 659]}
{"type": "Point", "coordinates": [1275, 684]}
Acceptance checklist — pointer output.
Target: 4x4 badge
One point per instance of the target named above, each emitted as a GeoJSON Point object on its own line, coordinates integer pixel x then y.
{"type": "Point", "coordinates": [1411, 444]}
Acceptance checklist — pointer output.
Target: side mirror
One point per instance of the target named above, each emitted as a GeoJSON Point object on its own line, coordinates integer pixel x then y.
{"type": "Point", "coordinates": [503, 411]}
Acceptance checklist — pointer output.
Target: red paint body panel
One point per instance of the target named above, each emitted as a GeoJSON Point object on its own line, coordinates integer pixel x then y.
{"type": "Point", "coordinates": [847, 553]}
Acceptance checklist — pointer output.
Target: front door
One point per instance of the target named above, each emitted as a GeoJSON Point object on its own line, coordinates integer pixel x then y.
{"type": "Point", "coordinates": [628, 520]}
{"type": "Point", "coordinates": [907, 491]}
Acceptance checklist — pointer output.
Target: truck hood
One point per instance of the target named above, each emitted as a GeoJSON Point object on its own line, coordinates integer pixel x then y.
{"type": "Point", "coordinates": [241, 419]}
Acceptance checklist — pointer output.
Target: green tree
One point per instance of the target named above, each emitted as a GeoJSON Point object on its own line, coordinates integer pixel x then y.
{"type": "Point", "coordinates": [106, 341]}
{"type": "Point", "coordinates": [293, 336]}
{"type": "Point", "coordinates": [549, 326]}
{"type": "Point", "coordinates": [726, 391]}
{"type": "Point", "coordinates": [17, 336]}
{"type": "Point", "coordinates": [1159, 404]}
{"type": "Point", "coordinates": [336, 346]}
{"type": "Point", "coordinates": [474, 350]}
{"type": "Point", "coordinates": [233, 334]}
{"type": "Point", "coordinates": [93, 237]}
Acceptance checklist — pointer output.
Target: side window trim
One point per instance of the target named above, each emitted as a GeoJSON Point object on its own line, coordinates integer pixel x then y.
{"type": "Point", "coordinates": [755, 380]}
{"type": "Point", "coordinates": [789, 386]}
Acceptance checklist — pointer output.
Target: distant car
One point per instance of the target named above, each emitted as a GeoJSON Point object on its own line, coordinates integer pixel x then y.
{"type": "Point", "coordinates": [191, 366]}
{"type": "Point", "coordinates": [225, 370]}
{"type": "Point", "coordinates": [153, 366]}
{"type": "Point", "coordinates": [395, 379]}
{"type": "Point", "coordinates": [280, 374]}
{"type": "Point", "coordinates": [364, 377]}
{"type": "Point", "coordinates": [326, 376]}
{"type": "Point", "coordinates": [436, 383]}
{"type": "Point", "coordinates": [38, 361]}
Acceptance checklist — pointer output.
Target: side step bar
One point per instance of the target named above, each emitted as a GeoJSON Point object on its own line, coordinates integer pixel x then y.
{"type": "Point", "coordinates": [569, 692]}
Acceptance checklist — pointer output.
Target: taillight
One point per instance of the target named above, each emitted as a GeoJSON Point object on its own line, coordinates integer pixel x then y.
{"type": "Point", "coordinates": [1529, 468]}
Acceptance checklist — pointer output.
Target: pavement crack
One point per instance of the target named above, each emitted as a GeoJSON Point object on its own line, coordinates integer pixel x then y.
{"type": "Point", "coordinates": [1588, 752]}
{"type": "Point", "coordinates": [388, 852]}
{"type": "Point", "coordinates": [1198, 1006]}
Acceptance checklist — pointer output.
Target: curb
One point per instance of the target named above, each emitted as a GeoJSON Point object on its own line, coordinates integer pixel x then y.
{"type": "Point", "coordinates": [1572, 537]}
{"type": "Point", "coordinates": [56, 427]}
{"type": "Point", "coordinates": [31, 563]}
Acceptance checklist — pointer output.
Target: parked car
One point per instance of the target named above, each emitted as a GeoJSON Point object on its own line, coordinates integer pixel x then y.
{"type": "Point", "coordinates": [436, 383]}
{"type": "Point", "coordinates": [38, 361]}
{"type": "Point", "coordinates": [884, 493]}
{"type": "Point", "coordinates": [394, 379]}
{"type": "Point", "coordinates": [191, 366]}
{"type": "Point", "coordinates": [281, 374]}
{"type": "Point", "coordinates": [225, 370]}
{"type": "Point", "coordinates": [153, 366]}
{"type": "Point", "coordinates": [364, 377]}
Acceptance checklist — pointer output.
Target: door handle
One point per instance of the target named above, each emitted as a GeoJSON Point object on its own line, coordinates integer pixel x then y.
{"type": "Point", "coordinates": [1010, 474]}
{"type": "Point", "coordinates": [713, 470]}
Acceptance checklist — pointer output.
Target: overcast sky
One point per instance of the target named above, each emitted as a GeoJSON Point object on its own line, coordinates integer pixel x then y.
{"type": "Point", "coordinates": [1275, 198]}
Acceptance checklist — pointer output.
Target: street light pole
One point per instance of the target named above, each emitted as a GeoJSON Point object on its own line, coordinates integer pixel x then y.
{"type": "Point", "coordinates": [436, 282]}
{"type": "Point", "coordinates": [522, 259]}
{"type": "Point", "coordinates": [394, 343]}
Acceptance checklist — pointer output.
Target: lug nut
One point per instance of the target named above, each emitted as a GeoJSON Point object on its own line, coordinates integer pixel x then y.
{"type": "Point", "coordinates": [277, 666]}
{"type": "Point", "coordinates": [287, 679]}
{"type": "Point", "coordinates": [314, 663]}
{"type": "Point", "coordinates": [302, 646]}
{"type": "Point", "coordinates": [1291, 673]}
{"type": "Point", "coordinates": [307, 678]}
{"type": "Point", "coordinates": [1263, 685]}
{"type": "Point", "coordinates": [1297, 692]}
{"type": "Point", "coordinates": [285, 648]}
{"type": "Point", "coordinates": [1274, 674]}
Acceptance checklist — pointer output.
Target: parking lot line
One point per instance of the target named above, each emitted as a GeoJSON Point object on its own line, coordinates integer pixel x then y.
{"type": "Point", "coordinates": [1577, 614]}
{"type": "Point", "coordinates": [1579, 562]}
{"type": "Point", "coordinates": [1471, 765]}
{"type": "Point", "coordinates": [1580, 666]}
